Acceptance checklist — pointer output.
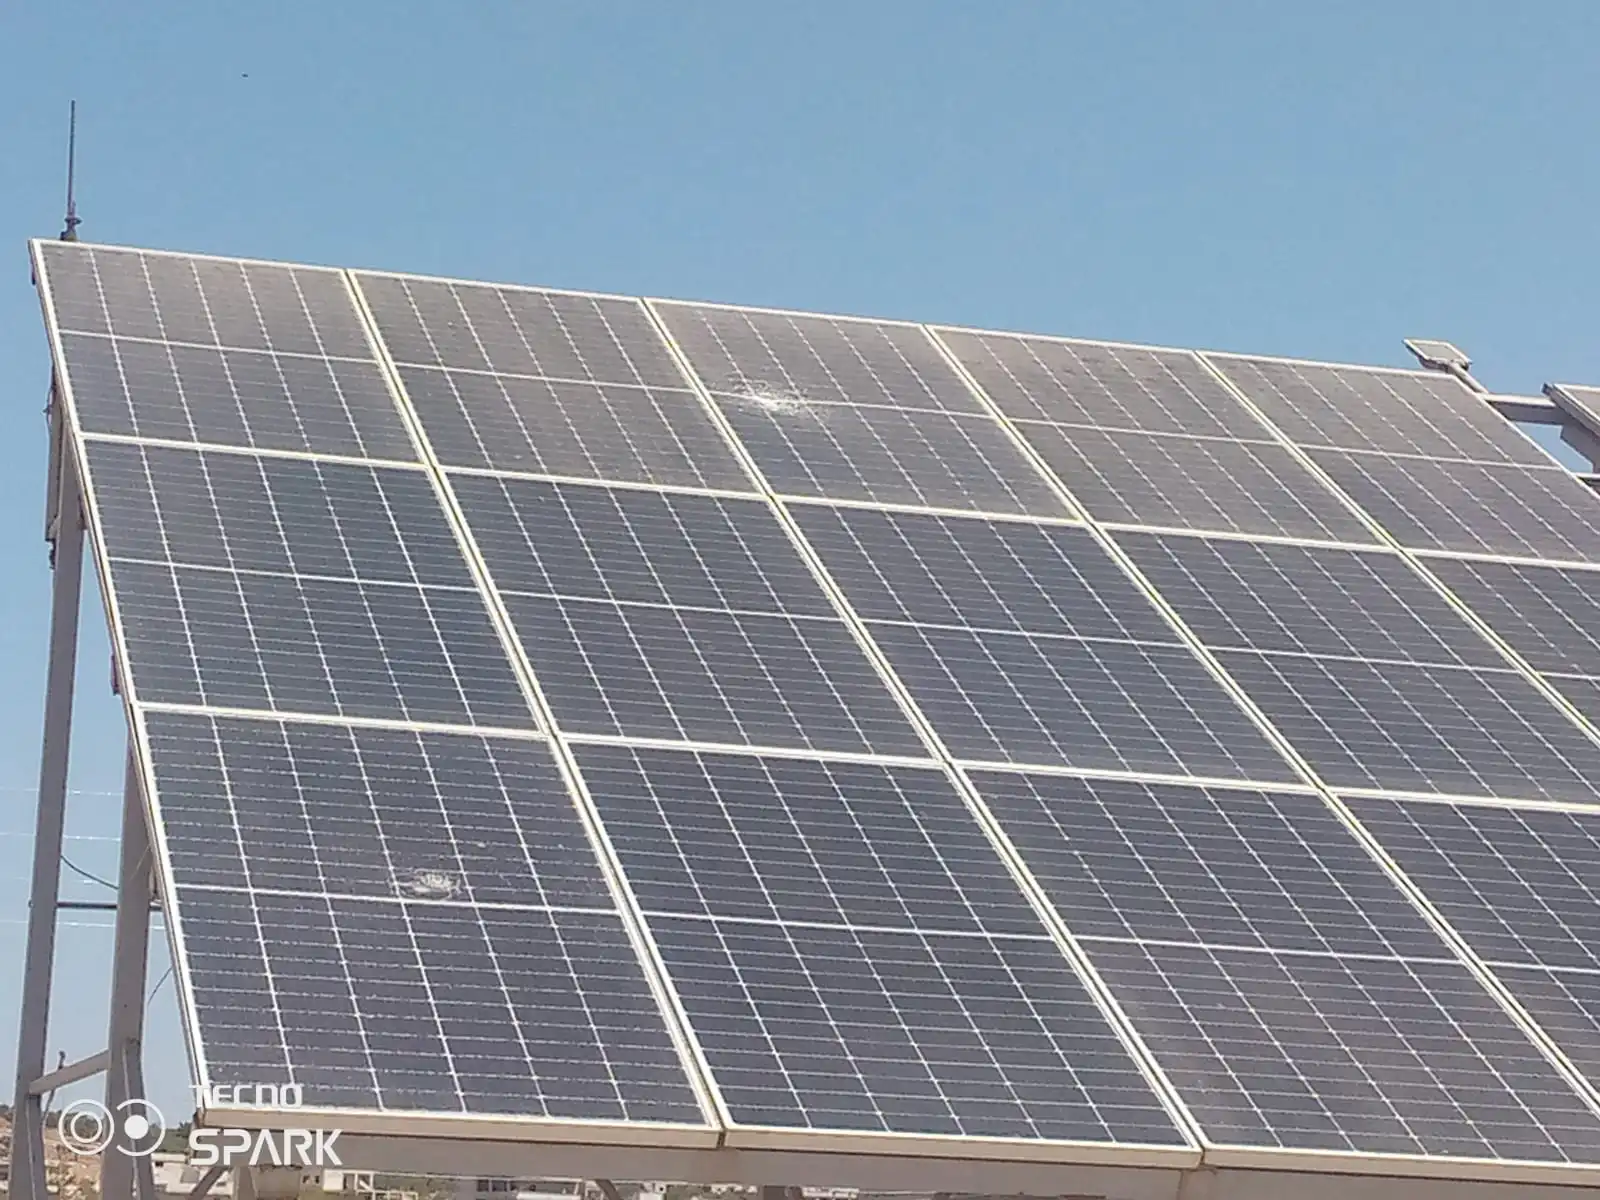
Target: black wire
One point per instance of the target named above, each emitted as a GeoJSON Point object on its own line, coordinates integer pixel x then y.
{"type": "Point", "coordinates": [159, 982]}
{"type": "Point", "coordinates": [89, 875]}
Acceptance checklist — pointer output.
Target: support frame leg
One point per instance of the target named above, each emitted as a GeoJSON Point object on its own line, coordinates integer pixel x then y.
{"type": "Point", "coordinates": [27, 1134]}
{"type": "Point", "coordinates": [131, 948]}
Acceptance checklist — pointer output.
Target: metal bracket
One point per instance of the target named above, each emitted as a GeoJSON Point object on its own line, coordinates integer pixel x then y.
{"type": "Point", "coordinates": [1446, 358]}
{"type": "Point", "coordinates": [1439, 355]}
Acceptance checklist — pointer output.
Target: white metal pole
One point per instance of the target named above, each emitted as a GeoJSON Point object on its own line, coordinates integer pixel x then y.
{"type": "Point", "coordinates": [131, 946]}
{"type": "Point", "coordinates": [27, 1134]}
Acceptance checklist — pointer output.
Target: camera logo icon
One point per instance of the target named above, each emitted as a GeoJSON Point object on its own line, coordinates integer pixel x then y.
{"type": "Point", "coordinates": [87, 1127]}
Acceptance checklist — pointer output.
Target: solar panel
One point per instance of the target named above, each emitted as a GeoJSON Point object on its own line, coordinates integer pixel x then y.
{"type": "Point", "coordinates": [1517, 882]}
{"type": "Point", "coordinates": [1550, 615]}
{"type": "Point", "coordinates": [240, 585]}
{"type": "Point", "coordinates": [1307, 600]}
{"type": "Point", "coordinates": [753, 656]}
{"type": "Point", "coordinates": [1472, 507]}
{"type": "Point", "coordinates": [1280, 1050]}
{"type": "Point", "coordinates": [1095, 384]}
{"type": "Point", "coordinates": [1152, 438]}
{"type": "Point", "coordinates": [853, 955]}
{"type": "Point", "coordinates": [1161, 862]}
{"type": "Point", "coordinates": [657, 724]}
{"type": "Point", "coordinates": [1412, 413]}
{"type": "Point", "coordinates": [1194, 483]}
{"type": "Point", "coordinates": [1006, 675]}
{"type": "Point", "coordinates": [546, 383]}
{"type": "Point", "coordinates": [1582, 402]}
{"type": "Point", "coordinates": [1400, 727]}
{"type": "Point", "coordinates": [854, 410]}
{"type": "Point", "coordinates": [226, 353]}
{"type": "Point", "coordinates": [1519, 885]}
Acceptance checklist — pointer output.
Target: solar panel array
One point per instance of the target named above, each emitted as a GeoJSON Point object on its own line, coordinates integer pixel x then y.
{"type": "Point", "coordinates": [721, 723]}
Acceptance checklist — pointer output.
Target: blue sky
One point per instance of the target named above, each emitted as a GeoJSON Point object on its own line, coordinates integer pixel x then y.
{"type": "Point", "coordinates": [1301, 180]}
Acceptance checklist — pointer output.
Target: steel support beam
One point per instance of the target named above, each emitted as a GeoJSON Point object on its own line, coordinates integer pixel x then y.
{"type": "Point", "coordinates": [130, 950]}
{"type": "Point", "coordinates": [71, 1073]}
{"type": "Point", "coordinates": [27, 1134]}
{"type": "Point", "coordinates": [206, 1182]}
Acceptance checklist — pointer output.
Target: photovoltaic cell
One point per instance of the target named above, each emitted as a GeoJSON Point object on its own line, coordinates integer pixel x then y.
{"type": "Point", "coordinates": [1239, 594]}
{"type": "Point", "coordinates": [743, 352]}
{"type": "Point", "coordinates": [1472, 507]}
{"type": "Point", "coordinates": [234, 398]}
{"type": "Point", "coordinates": [1111, 387]}
{"type": "Point", "coordinates": [296, 586]}
{"type": "Point", "coordinates": [1391, 726]}
{"type": "Point", "coordinates": [1216, 866]}
{"type": "Point", "coordinates": [206, 301]}
{"type": "Point", "coordinates": [855, 410]}
{"type": "Point", "coordinates": [1374, 1055]}
{"type": "Point", "coordinates": [1193, 483]}
{"type": "Point", "coordinates": [218, 351]}
{"type": "Point", "coordinates": [439, 1008]}
{"type": "Point", "coordinates": [1423, 413]}
{"type": "Point", "coordinates": [1007, 576]}
{"type": "Point", "coordinates": [680, 617]}
{"type": "Point", "coordinates": [793, 839]}
{"type": "Point", "coordinates": [1122, 706]}
{"type": "Point", "coordinates": [376, 813]}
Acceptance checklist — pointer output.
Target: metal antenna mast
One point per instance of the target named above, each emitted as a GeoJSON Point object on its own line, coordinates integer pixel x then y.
{"type": "Point", "coordinates": [70, 233]}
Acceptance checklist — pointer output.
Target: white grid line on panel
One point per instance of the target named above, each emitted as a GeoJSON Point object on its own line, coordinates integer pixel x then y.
{"type": "Point", "coordinates": [387, 464]}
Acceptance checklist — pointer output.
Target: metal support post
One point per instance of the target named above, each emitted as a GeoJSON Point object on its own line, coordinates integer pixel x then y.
{"type": "Point", "coordinates": [130, 948]}
{"type": "Point", "coordinates": [203, 1187]}
{"type": "Point", "coordinates": [27, 1133]}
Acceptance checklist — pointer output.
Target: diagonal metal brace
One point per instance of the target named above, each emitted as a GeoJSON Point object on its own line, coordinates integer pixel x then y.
{"type": "Point", "coordinates": [71, 1073]}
